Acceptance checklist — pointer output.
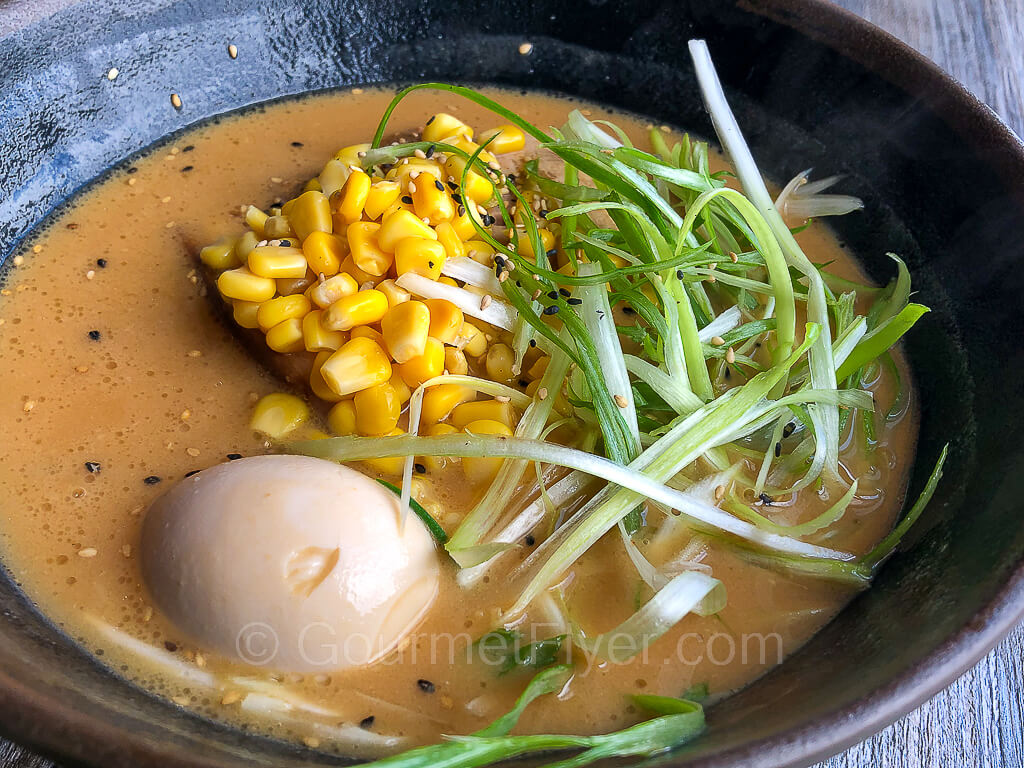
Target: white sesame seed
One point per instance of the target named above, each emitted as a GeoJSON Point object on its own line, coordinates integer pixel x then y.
{"type": "Point", "coordinates": [719, 493]}
{"type": "Point", "coordinates": [730, 356]}
{"type": "Point", "coordinates": [19, 260]}
{"type": "Point", "coordinates": [176, 101]}
{"type": "Point", "coordinates": [621, 401]}
{"type": "Point", "coordinates": [28, 406]}
{"type": "Point", "coordinates": [276, 179]}
{"type": "Point", "coordinates": [131, 181]}
{"type": "Point", "coordinates": [502, 398]}
{"type": "Point", "coordinates": [542, 393]}
{"type": "Point", "coordinates": [193, 452]}
{"type": "Point", "coordinates": [88, 552]}
{"type": "Point", "coordinates": [733, 256]}
{"type": "Point", "coordinates": [233, 51]}
{"type": "Point", "coordinates": [717, 341]}
{"type": "Point", "coordinates": [357, 91]}
{"type": "Point", "coordinates": [412, 187]}
{"type": "Point", "coordinates": [90, 274]}
{"type": "Point", "coordinates": [420, 154]}
{"type": "Point", "coordinates": [526, 49]}
{"type": "Point", "coordinates": [112, 73]}
{"type": "Point", "coordinates": [485, 301]}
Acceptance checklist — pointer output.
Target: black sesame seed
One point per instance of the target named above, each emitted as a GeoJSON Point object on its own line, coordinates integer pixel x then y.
{"type": "Point", "coordinates": [452, 186]}
{"type": "Point", "coordinates": [564, 292]}
{"type": "Point", "coordinates": [430, 265]}
{"type": "Point", "coordinates": [421, 469]}
{"type": "Point", "coordinates": [172, 647]}
{"type": "Point", "coordinates": [523, 383]}
{"type": "Point", "coordinates": [457, 198]}
{"type": "Point", "coordinates": [407, 199]}
{"type": "Point", "coordinates": [297, 144]}
{"type": "Point", "coordinates": [778, 450]}
{"type": "Point", "coordinates": [511, 178]}
{"type": "Point", "coordinates": [92, 466]}
{"type": "Point", "coordinates": [765, 499]}
{"type": "Point", "coordinates": [367, 722]}
{"type": "Point", "coordinates": [430, 151]}
{"type": "Point", "coordinates": [192, 472]}
{"type": "Point", "coordinates": [789, 429]}
{"type": "Point", "coordinates": [574, 302]}
{"type": "Point", "coordinates": [426, 686]}
{"type": "Point", "coordinates": [94, 335]}
{"type": "Point", "coordinates": [101, 263]}
{"type": "Point", "coordinates": [189, 148]}
{"type": "Point", "coordinates": [188, 168]}
{"type": "Point", "coordinates": [152, 480]}
{"type": "Point", "coordinates": [530, 541]}
{"type": "Point", "coordinates": [439, 185]}
{"type": "Point", "coordinates": [234, 456]}
{"type": "Point", "coordinates": [487, 220]}
{"type": "Point", "coordinates": [680, 274]}
{"type": "Point", "coordinates": [533, 342]}
{"type": "Point", "coordinates": [462, 210]}
{"type": "Point", "coordinates": [432, 118]}
{"type": "Point", "coordinates": [553, 295]}
{"type": "Point", "coordinates": [543, 213]}
{"type": "Point", "coordinates": [552, 253]}
{"type": "Point", "coordinates": [133, 169]}
{"type": "Point", "coordinates": [628, 311]}
{"type": "Point", "coordinates": [286, 243]}
{"type": "Point", "coordinates": [552, 310]}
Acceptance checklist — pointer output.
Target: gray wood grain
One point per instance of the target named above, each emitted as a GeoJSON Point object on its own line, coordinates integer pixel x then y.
{"type": "Point", "coordinates": [978, 720]}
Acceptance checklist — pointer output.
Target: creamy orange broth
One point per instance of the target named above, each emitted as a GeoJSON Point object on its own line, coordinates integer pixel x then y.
{"type": "Point", "coordinates": [165, 389]}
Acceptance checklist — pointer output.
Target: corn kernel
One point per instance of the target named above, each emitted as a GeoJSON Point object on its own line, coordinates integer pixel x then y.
{"type": "Point", "coordinates": [311, 212]}
{"type": "Point", "coordinates": [483, 409]}
{"type": "Point", "coordinates": [463, 221]}
{"type": "Point", "coordinates": [453, 248]}
{"type": "Point", "coordinates": [244, 285]}
{"type": "Point", "coordinates": [480, 469]}
{"type": "Point", "coordinates": [469, 147]}
{"type": "Point", "coordinates": [277, 227]}
{"type": "Point", "coordinates": [426, 366]}
{"type": "Point", "coordinates": [286, 336]}
{"type": "Point", "coordinates": [244, 246]}
{"type": "Point", "coordinates": [440, 400]}
{"type": "Point", "coordinates": [547, 238]}
{"type": "Point", "coordinates": [478, 189]}
{"type": "Point", "coordinates": [439, 430]}
{"type": "Point", "coordinates": [431, 200]}
{"type": "Point", "coordinates": [256, 220]}
{"type": "Point", "coordinates": [405, 328]}
{"type": "Point", "coordinates": [388, 465]}
{"type": "Point", "coordinates": [377, 409]}
{"type": "Point", "coordinates": [349, 267]}
{"type": "Point", "coordinates": [220, 255]}
{"type": "Point", "coordinates": [277, 261]}
{"type": "Point", "coordinates": [506, 138]}
{"type": "Point", "coordinates": [455, 361]}
{"type": "Point", "coordinates": [380, 197]}
{"type": "Point", "coordinates": [399, 225]}
{"type": "Point", "coordinates": [350, 155]}
{"type": "Point", "coordinates": [395, 294]}
{"type": "Point", "coordinates": [313, 185]}
{"type": "Point", "coordinates": [277, 414]}
{"type": "Point", "coordinates": [324, 252]}
{"type": "Point", "coordinates": [277, 310]}
{"type": "Point", "coordinates": [245, 312]}
{"type": "Point", "coordinates": [499, 362]}
{"type": "Point", "coordinates": [536, 370]}
{"type": "Point", "coordinates": [316, 380]}
{"type": "Point", "coordinates": [420, 255]}
{"type": "Point", "coordinates": [359, 364]}
{"type": "Point", "coordinates": [333, 288]}
{"type": "Point", "coordinates": [333, 176]}
{"type": "Point", "coordinates": [446, 320]}
{"type": "Point", "coordinates": [360, 308]}
{"type": "Point", "coordinates": [341, 419]}
{"type": "Point", "coordinates": [475, 343]}
{"type": "Point", "coordinates": [366, 332]}
{"type": "Point", "coordinates": [317, 338]}
{"type": "Point", "coordinates": [401, 388]}
{"type": "Point", "coordinates": [348, 202]}
{"type": "Point", "coordinates": [437, 463]}
{"type": "Point", "coordinates": [363, 242]}
{"type": "Point", "coordinates": [480, 251]}
{"type": "Point", "coordinates": [402, 173]}
{"type": "Point", "coordinates": [399, 205]}
{"type": "Point", "coordinates": [442, 125]}
{"type": "Point", "coordinates": [445, 280]}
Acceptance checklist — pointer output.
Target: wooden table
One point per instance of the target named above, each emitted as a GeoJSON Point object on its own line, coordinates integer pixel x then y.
{"type": "Point", "coordinates": [979, 720]}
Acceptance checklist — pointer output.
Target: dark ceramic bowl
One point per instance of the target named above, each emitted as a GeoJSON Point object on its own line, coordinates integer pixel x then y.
{"type": "Point", "coordinates": [811, 85]}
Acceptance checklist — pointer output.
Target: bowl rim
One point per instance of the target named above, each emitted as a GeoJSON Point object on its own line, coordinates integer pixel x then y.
{"type": "Point", "coordinates": [46, 724]}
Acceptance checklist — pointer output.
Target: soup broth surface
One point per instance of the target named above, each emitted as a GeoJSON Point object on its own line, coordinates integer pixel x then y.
{"type": "Point", "coordinates": [121, 378]}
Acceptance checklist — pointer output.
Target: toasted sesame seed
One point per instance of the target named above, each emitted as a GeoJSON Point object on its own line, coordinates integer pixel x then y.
{"type": "Point", "coordinates": [131, 181]}
{"type": "Point", "coordinates": [37, 249]}
{"type": "Point", "coordinates": [526, 49]}
{"type": "Point", "coordinates": [502, 398]}
{"type": "Point", "coordinates": [485, 301]}
{"type": "Point", "coordinates": [621, 401]}
{"type": "Point", "coordinates": [717, 341]}
{"type": "Point", "coordinates": [537, 294]}
{"type": "Point", "coordinates": [88, 552]}
{"type": "Point", "coordinates": [502, 276]}
{"type": "Point", "coordinates": [193, 452]}
{"type": "Point", "coordinates": [719, 492]}
{"type": "Point", "coordinates": [733, 256]}
{"type": "Point", "coordinates": [542, 393]}
{"type": "Point", "coordinates": [420, 154]}
{"type": "Point", "coordinates": [19, 260]}
{"type": "Point", "coordinates": [730, 356]}
{"type": "Point", "coordinates": [176, 101]}
{"type": "Point", "coordinates": [233, 51]}
{"type": "Point", "coordinates": [28, 406]}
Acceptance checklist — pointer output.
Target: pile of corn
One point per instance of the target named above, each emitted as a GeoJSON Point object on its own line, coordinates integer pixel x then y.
{"type": "Point", "coordinates": [317, 276]}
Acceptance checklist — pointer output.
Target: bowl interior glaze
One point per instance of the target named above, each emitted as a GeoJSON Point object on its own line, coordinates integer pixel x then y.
{"type": "Point", "coordinates": [812, 87]}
